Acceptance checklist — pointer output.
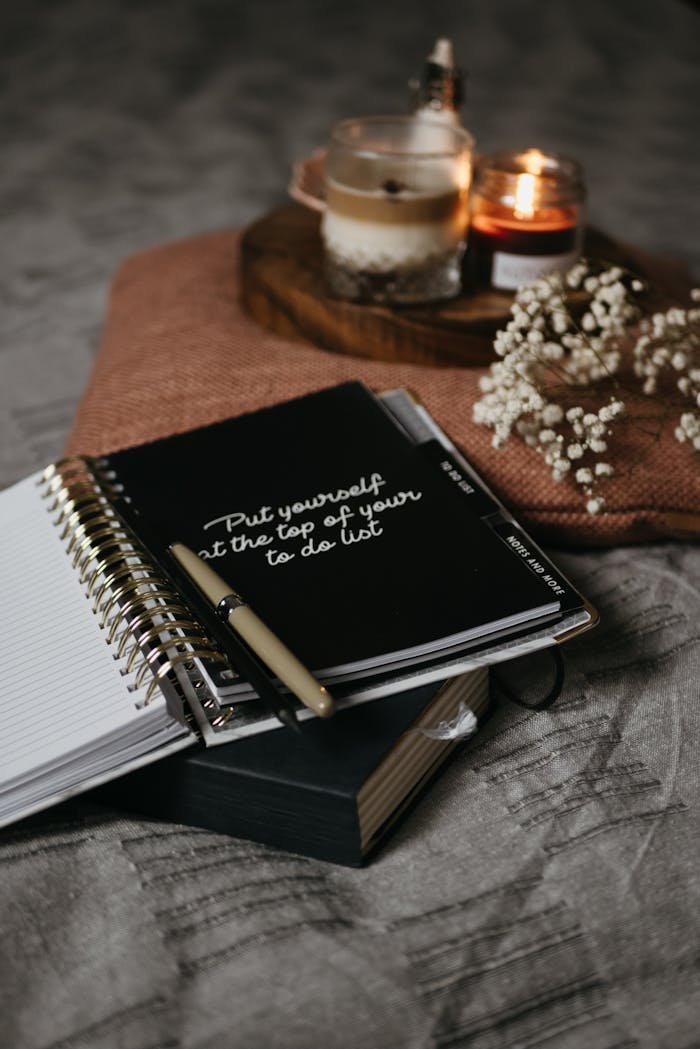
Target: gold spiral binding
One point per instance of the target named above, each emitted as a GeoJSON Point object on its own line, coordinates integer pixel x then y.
{"type": "Point", "coordinates": [63, 466]}
{"type": "Point", "coordinates": [152, 630]}
{"type": "Point", "coordinates": [77, 502]}
{"type": "Point", "coordinates": [86, 538]}
{"type": "Point", "coordinates": [185, 659]}
{"type": "Point", "coordinates": [131, 580]}
{"type": "Point", "coordinates": [75, 472]}
{"type": "Point", "coordinates": [98, 559]}
{"type": "Point", "coordinates": [155, 655]}
{"type": "Point", "coordinates": [81, 516]}
{"type": "Point", "coordinates": [71, 495]}
{"type": "Point", "coordinates": [135, 620]}
{"type": "Point", "coordinates": [170, 626]}
{"type": "Point", "coordinates": [61, 482]}
{"type": "Point", "coordinates": [132, 587]}
{"type": "Point", "coordinates": [103, 561]}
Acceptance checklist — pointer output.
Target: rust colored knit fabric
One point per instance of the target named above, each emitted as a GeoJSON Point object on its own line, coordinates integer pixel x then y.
{"type": "Point", "coordinates": [178, 352]}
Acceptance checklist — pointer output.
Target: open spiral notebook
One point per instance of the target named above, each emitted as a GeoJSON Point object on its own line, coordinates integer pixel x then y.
{"type": "Point", "coordinates": [108, 665]}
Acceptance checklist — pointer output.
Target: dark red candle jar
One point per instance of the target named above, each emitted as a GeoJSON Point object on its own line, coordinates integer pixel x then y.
{"type": "Point", "coordinates": [526, 217]}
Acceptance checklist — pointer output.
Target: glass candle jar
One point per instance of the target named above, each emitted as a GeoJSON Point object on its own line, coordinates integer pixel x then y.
{"type": "Point", "coordinates": [527, 217]}
{"type": "Point", "coordinates": [396, 215]}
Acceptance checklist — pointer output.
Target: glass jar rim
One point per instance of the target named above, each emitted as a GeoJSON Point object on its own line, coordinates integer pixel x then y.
{"type": "Point", "coordinates": [340, 137]}
{"type": "Point", "coordinates": [510, 162]}
{"type": "Point", "coordinates": [559, 177]}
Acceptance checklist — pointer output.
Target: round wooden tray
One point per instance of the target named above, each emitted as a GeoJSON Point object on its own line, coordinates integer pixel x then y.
{"type": "Point", "coordinates": [283, 288]}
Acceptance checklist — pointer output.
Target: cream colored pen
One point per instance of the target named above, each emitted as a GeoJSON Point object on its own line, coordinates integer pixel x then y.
{"type": "Point", "coordinates": [232, 608]}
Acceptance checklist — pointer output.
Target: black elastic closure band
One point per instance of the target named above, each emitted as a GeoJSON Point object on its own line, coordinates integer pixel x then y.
{"type": "Point", "coordinates": [551, 697]}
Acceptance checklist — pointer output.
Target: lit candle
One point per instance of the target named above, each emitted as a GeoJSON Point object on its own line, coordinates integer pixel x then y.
{"type": "Point", "coordinates": [527, 217]}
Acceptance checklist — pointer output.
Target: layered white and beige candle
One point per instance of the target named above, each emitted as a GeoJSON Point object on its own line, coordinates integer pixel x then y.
{"type": "Point", "coordinates": [398, 203]}
{"type": "Point", "coordinates": [393, 226]}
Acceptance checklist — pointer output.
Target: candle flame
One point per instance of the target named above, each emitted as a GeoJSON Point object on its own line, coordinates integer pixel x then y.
{"type": "Point", "coordinates": [534, 161]}
{"type": "Point", "coordinates": [525, 196]}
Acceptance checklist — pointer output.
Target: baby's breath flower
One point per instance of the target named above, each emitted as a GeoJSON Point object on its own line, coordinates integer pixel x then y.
{"type": "Point", "coordinates": [552, 414]}
{"type": "Point", "coordinates": [542, 348]}
{"type": "Point", "coordinates": [610, 411]}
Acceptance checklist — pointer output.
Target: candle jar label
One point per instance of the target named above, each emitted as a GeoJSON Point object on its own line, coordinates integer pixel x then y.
{"type": "Point", "coordinates": [512, 271]}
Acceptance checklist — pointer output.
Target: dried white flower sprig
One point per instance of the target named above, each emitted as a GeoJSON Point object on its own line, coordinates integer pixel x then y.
{"type": "Point", "coordinates": [549, 360]}
{"type": "Point", "coordinates": [670, 342]}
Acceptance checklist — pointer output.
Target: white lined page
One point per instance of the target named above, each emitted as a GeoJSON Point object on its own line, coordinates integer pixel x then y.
{"type": "Point", "coordinates": [61, 687]}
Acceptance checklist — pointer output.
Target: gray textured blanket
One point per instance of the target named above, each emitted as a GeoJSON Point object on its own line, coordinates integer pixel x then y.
{"type": "Point", "coordinates": [545, 892]}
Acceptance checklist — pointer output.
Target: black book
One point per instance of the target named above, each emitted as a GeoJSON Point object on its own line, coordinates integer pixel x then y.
{"type": "Point", "coordinates": [333, 793]}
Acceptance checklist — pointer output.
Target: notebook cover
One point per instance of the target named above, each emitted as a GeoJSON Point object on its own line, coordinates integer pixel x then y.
{"type": "Point", "coordinates": [296, 794]}
{"type": "Point", "coordinates": [263, 495]}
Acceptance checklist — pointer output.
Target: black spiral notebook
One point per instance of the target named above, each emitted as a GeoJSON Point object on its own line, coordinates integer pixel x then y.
{"type": "Point", "coordinates": [350, 523]}
{"type": "Point", "coordinates": [351, 540]}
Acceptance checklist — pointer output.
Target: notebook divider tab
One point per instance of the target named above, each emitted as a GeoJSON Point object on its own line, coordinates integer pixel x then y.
{"type": "Point", "coordinates": [149, 627]}
{"type": "Point", "coordinates": [407, 411]}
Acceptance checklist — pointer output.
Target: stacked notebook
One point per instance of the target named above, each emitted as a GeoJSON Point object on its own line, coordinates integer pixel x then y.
{"type": "Point", "coordinates": [361, 537]}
